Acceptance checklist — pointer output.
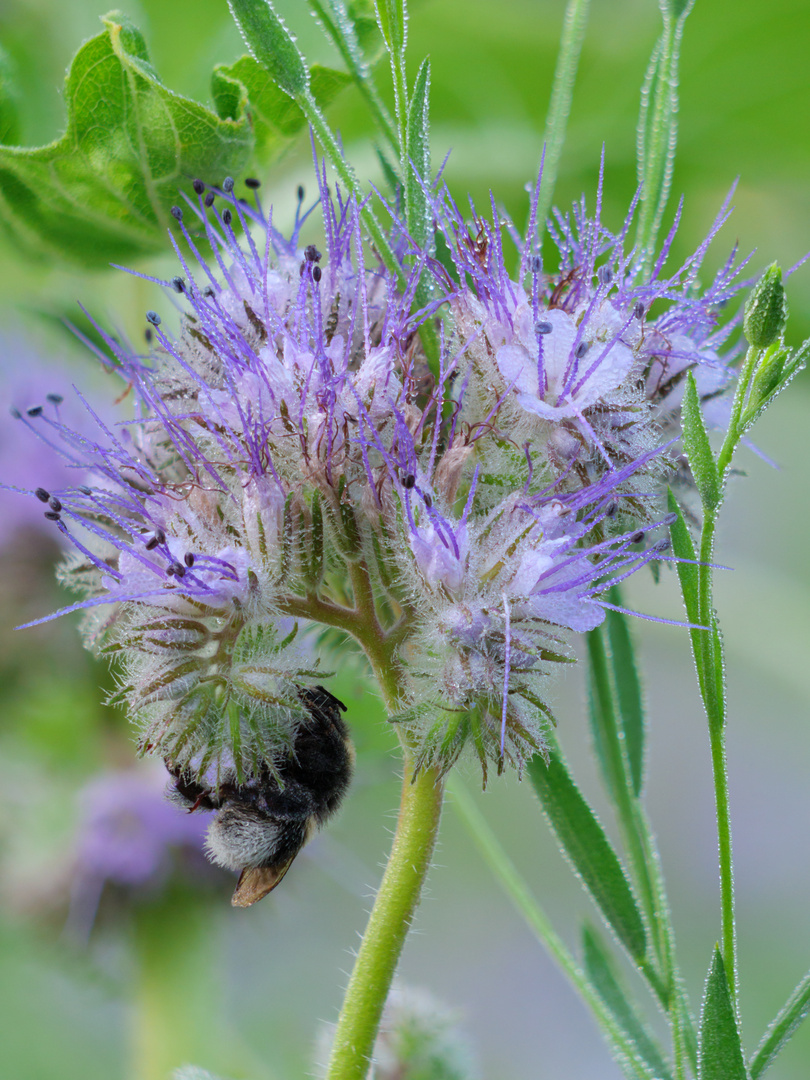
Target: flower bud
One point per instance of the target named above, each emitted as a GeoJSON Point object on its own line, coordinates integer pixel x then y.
{"type": "Point", "coordinates": [766, 310]}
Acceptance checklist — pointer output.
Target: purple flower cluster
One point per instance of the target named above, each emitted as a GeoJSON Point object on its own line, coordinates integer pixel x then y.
{"type": "Point", "coordinates": [296, 457]}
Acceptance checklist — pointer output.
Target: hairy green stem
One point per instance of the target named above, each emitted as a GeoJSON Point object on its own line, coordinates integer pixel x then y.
{"type": "Point", "coordinates": [562, 91]}
{"type": "Point", "coordinates": [388, 926]}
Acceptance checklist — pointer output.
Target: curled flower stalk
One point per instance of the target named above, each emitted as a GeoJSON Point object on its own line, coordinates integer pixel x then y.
{"type": "Point", "coordinates": [294, 463]}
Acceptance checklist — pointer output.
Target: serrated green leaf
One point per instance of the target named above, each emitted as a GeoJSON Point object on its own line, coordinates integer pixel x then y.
{"type": "Point", "coordinates": [417, 176]}
{"type": "Point", "coordinates": [781, 1028]}
{"type": "Point", "coordinates": [104, 190]}
{"type": "Point", "coordinates": [275, 117]}
{"type": "Point", "coordinates": [9, 102]}
{"type": "Point", "coordinates": [628, 695]}
{"type": "Point", "coordinates": [364, 20]}
{"type": "Point", "coordinates": [271, 43]}
{"type": "Point", "coordinates": [697, 447]}
{"type": "Point", "coordinates": [601, 972]}
{"type": "Point", "coordinates": [591, 854]}
{"type": "Point", "coordinates": [720, 1054]}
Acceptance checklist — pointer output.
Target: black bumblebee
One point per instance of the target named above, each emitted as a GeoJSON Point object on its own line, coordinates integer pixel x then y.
{"type": "Point", "coordinates": [262, 824]}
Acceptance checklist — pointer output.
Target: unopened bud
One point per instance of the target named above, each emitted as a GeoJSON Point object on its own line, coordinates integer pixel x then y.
{"type": "Point", "coordinates": [766, 310]}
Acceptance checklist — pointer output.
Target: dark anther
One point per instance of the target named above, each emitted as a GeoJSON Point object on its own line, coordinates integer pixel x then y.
{"type": "Point", "coordinates": [85, 490]}
{"type": "Point", "coordinates": [153, 318]}
{"type": "Point", "coordinates": [152, 543]}
{"type": "Point", "coordinates": [637, 537]}
{"type": "Point", "coordinates": [409, 481]}
{"type": "Point", "coordinates": [311, 253]}
{"type": "Point", "coordinates": [177, 213]}
{"type": "Point", "coordinates": [226, 217]}
{"type": "Point", "coordinates": [612, 509]}
{"type": "Point", "coordinates": [316, 274]}
{"type": "Point", "coordinates": [148, 335]}
{"type": "Point", "coordinates": [55, 399]}
{"type": "Point", "coordinates": [662, 545]}
{"type": "Point", "coordinates": [638, 310]}
{"type": "Point", "coordinates": [300, 193]}
{"type": "Point", "coordinates": [252, 183]}
{"type": "Point", "coordinates": [605, 275]}
{"type": "Point", "coordinates": [428, 501]}
{"type": "Point", "coordinates": [209, 199]}
{"type": "Point", "coordinates": [536, 264]}
{"type": "Point", "coordinates": [188, 559]}
{"type": "Point", "coordinates": [161, 536]}
{"type": "Point", "coordinates": [543, 328]}
{"type": "Point", "coordinates": [199, 187]}
{"type": "Point", "coordinates": [581, 349]}
{"type": "Point", "coordinates": [52, 515]}
{"type": "Point", "coordinates": [15, 413]}
{"type": "Point", "coordinates": [227, 185]}
{"type": "Point", "coordinates": [176, 568]}
{"type": "Point", "coordinates": [670, 519]}
{"type": "Point", "coordinates": [42, 494]}
{"type": "Point", "coordinates": [208, 291]}
{"type": "Point", "coordinates": [54, 503]}
{"type": "Point", "coordinates": [35, 410]}
{"type": "Point", "coordinates": [178, 284]}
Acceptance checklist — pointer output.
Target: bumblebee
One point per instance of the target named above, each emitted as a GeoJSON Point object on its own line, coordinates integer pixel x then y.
{"type": "Point", "coordinates": [261, 825]}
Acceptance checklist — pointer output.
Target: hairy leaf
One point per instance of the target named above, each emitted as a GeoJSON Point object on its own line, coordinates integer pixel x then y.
{"type": "Point", "coordinates": [600, 970]}
{"type": "Point", "coordinates": [104, 190]}
{"type": "Point", "coordinates": [586, 845]}
{"type": "Point", "coordinates": [721, 1056]}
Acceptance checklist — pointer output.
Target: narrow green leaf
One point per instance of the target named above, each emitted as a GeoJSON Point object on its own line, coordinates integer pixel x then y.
{"type": "Point", "coordinates": [417, 176]}
{"type": "Point", "coordinates": [628, 695]}
{"type": "Point", "coordinates": [276, 118]}
{"type": "Point", "coordinates": [591, 854]}
{"type": "Point", "coordinates": [271, 43]}
{"type": "Point", "coordinates": [781, 1028]}
{"type": "Point", "coordinates": [720, 1055]}
{"type": "Point", "coordinates": [684, 548]}
{"type": "Point", "coordinates": [601, 972]}
{"type": "Point", "coordinates": [103, 191]}
{"type": "Point", "coordinates": [604, 724]}
{"type": "Point", "coordinates": [697, 447]}
{"type": "Point", "coordinates": [9, 102]}
{"type": "Point", "coordinates": [393, 22]}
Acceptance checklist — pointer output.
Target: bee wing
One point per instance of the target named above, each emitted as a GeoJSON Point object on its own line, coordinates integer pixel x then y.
{"type": "Point", "coordinates": [256, 882]}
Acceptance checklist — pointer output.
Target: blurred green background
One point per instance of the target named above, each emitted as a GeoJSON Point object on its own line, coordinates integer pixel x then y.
{"type": "Point", "coordinates": [178, 976]}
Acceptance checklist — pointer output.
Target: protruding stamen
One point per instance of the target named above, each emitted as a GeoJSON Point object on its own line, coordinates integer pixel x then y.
{"type": "Point", "coordinates": [54, 503]}
{"type": "Point", "coordinates": [35, 410]}
{"type": "Point", "coordinates": [153, 318]}
{"type": "Point", "coordinates": [227, 185]}
{"type": "Point", "coordinates": [199, 186]}
{"type": "Point", "coordinates": [188, 559]}
{"type": "Point", "coordinates": [208, 201]}
{"type": "Point", "coordinates": [177, 213]}
{"type": "Point", "coordinates": [252, 183]}
{"type": "Point", "coordinates": [42, 494]}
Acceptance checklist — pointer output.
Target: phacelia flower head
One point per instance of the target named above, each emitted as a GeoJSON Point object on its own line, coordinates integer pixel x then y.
{"type": "Point", "coordinates": [589, 360]}
{"type": "Point", "coordinates": [297, 459]}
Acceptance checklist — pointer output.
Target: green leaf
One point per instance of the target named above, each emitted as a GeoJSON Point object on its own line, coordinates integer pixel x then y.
{"type": "Point", "coordinates": [604, 727]}
{"type": "Point", "coordinates": [271, 43]}
{"type": "Point", "coordinates": [392, 20]}
{"type": "Point", "coordinates": [9, 102]}
{"type": "Point", "coordinates": [683, 547]}
{"type": "Point", "coordinates": [417, 168]}
{"type": "Point", "coordinates": [720, 1055]}
{"type": "Point", "coordinates": [696, 445]}
{"type": "Point", "coordinates": [276, 118]}
{"type": "Point", "coordinates": [601, 972]}
{"type": "Point", "coordinates": [628, 694]}
{"type": "Point", "coordinates": [103, 191]}
{"type": "Point", "coordinates": [591, 854]}
{"type": "Point", "coordinates": [782, 1028]}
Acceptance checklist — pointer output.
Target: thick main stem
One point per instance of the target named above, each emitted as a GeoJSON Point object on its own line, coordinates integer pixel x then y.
{"type": "Point", "coordinates": [388, 925]}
